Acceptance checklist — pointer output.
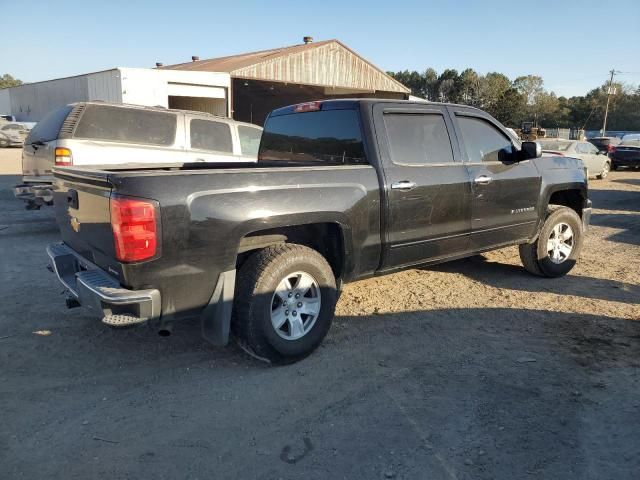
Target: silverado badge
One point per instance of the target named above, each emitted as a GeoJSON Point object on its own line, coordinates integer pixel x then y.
{"type": "Point", "coordinates": [75, 224]}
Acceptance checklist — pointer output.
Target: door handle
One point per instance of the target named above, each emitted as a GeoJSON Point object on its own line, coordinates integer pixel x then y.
{"type": "Point", "coordinates": [403, 185]}
{"type": "Point", "coordinates": [482, 180]}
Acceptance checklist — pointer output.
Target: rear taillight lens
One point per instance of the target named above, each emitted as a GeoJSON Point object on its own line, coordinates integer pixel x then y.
{"type": "Point", "coordinates": [612, 149]}
{"type": "Point", "coordinates": [63, 157]}
{"type": "Point", "coordinates": [135, 228]}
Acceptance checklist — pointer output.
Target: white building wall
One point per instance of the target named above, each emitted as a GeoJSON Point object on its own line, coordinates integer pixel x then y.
{"type": "Point", "coordinates": [143, 86]}
{"type": "Point", "coordinates": [139, 86]}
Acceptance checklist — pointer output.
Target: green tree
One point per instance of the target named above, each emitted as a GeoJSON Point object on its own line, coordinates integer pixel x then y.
{"type": "Point", "coordinates": [7, 81]}
{"type": "Point", "coordinates": [469, 87]}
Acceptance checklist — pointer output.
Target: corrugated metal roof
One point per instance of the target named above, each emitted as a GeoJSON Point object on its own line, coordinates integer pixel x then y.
{"type": "Point", "coordinates": [327, 63]}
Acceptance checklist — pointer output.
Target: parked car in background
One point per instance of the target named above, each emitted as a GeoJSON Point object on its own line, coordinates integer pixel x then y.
{"type": "Point", "coordinates": [604, 144]}
{"type": "Point", "coordinates": [597, 163]}
{"type": "Point", "coordinates": [99, 133]}
{"type": "Point", "coordinates": [12, 134]}
{"type": "Point", "coordinates": [627, 153]}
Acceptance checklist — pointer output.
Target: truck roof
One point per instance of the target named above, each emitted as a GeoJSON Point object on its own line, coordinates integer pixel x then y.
{"type": "Point", "coordinates": [346, 103]}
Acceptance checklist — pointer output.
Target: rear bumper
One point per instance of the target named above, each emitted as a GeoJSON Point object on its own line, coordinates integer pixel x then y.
{"type": "Point", "coordinates": [98, 291]}
{"type": "Point", "coordinates": [625, 162]}
{"type": "Point", "coordinates": [34, 192]}
{"type": "Point", "coordinates": [586, 215]}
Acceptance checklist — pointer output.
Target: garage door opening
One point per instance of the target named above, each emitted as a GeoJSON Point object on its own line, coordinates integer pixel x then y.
{"type": "Point", "coordinates": [215, 106]}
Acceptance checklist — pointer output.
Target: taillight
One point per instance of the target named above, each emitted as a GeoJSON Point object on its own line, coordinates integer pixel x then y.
{"type": "Point", "coordinates": [63, 157]}
{"type": "Point", "coordinates": [612, 149]}
{"type": "Point", "coordinates": [135, 228]}
{"type": "Point", "coordinates": [308, 107]}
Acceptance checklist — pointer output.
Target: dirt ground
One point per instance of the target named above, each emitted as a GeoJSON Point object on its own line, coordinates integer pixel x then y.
{"type": "Point", "coordinates": [469, 370]}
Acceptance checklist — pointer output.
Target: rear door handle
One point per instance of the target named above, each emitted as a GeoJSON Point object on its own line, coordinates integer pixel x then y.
{"type": "Point", "coordinates": [482, 180]}
{"type": "Point", "coordinates": [403, 185]}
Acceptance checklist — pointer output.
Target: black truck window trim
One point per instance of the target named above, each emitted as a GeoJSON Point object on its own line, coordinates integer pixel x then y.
{"type": "Point", "coordinates": [127, 125]}
{"type": "Point", "coordinates": [467, 143]}
{"type": "Point", "coordinates": [431, 142]}
{"type": "Point", "coordinates": [210, 136]}
{"type": "Point", "coordinates": [323, 137]}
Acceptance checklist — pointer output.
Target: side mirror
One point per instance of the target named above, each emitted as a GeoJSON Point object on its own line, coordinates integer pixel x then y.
{"type": "Point", "coordinates": [531, 150]}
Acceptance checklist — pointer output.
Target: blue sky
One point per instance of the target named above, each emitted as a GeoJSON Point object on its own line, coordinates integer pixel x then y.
{"type": "Point", "coordinates": [572, 45]}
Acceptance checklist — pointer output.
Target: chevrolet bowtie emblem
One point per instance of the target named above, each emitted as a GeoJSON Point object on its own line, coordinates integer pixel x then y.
{"type": "Point", "coordinates": [75, 224]}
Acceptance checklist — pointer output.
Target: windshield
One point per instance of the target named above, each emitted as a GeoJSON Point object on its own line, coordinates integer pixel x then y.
{"type": "Point", "coordinates": [555, 146]}
{"type": "Point", "coordinates": [633, 140]}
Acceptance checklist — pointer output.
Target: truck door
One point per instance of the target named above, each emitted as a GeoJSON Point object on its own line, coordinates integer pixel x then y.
{"type": "Point", "coordinates": [505, 192]}
{"type": "Point", "coordinates": [427, 188]}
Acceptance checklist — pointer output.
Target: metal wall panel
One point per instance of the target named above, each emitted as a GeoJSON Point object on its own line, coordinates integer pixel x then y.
{"type": "Point", "coordinates": [5, 102]}
{"type": "Point", "coordinates": [30, 102]}
{"type": "Point", "coordinates": [105, 86]}
{"type": "Point", "coordinates": [330, 65]}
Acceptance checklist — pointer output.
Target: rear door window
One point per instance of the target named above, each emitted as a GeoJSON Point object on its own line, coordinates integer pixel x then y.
{"type": "Point", "coordinates": [211, 136]}
{"type": "Point", "coordinates": [249, 140]}
{"type": "Point", "coordinates": [483, 142]}
{"type": "Point", "coordinates": [325, 137]}
{"type": "Point", "coordinates": [127, 125]}
{"type": "Point", "coordinates": [418, 139]}
{"type": "Point", "coordinates": [47, 129]}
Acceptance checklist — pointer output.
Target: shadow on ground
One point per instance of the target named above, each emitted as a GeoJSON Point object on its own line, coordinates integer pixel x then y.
{"type": "Point", "coordinates": [514, 277]}
{"type": "Point", "coordinates": [456, 393]}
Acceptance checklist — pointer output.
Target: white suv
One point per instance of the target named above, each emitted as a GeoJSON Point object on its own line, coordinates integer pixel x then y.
{"type": "Point", "coordinates": [99, 133]}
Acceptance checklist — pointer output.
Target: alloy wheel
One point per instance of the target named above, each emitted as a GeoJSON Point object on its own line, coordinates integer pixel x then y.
{"type": "Point", "coordinates": [295, 305]}
{"type": "Point", "coordinates": [560, 243]}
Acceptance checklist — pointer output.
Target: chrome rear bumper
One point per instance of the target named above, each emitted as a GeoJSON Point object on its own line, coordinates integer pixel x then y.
{"type": "Point", "coordinates": [95, 289]}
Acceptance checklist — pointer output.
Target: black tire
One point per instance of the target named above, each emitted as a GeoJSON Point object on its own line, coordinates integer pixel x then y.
{"type": "Point", "coordinates": [535, 257]}
{"type": "Point", "coordinates": [3, 143]}
{"type": "Point", "coordinates": [614, 166]}
{"type": "Point", "coordinates": [257, 282]}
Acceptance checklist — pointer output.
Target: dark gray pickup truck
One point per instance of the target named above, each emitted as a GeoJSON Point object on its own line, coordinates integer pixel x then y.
{"type": "Point", "coordinates": [343, 190]}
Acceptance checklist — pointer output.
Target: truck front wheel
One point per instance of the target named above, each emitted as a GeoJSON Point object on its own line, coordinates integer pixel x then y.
{"type": "Point", "coordinates": [558, 245]}
{"type": "Point", "coordinates": [284, 303]}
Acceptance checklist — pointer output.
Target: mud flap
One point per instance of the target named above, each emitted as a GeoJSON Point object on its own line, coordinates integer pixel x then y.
{"type": "Point", "coordinates": [216, 317]}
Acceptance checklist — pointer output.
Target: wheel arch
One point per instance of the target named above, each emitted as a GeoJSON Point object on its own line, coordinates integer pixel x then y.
{"type": "Point", "coordinates": [331, 239]}
{"type": "Point", "coordinates": [573, 196]}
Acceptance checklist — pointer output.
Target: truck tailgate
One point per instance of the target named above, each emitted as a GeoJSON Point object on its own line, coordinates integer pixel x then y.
{"type": "Point", "coordinates": [81, 205]}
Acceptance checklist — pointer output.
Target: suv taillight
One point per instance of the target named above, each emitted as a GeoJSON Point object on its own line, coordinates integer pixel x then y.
{"type": "Point", "coordinates": [612, 149]}
{"type": "Point", "coordinates": [63, 157]}
{"type": "Point", "coordinates": [135, 228]}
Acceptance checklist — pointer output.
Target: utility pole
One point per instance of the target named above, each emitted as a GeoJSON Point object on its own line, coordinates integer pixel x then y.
{"type": "Point", "coordinates": [606, 111]}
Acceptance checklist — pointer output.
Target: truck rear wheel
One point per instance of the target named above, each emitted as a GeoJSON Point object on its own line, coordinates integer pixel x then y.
{"type": "Point", "coordinates": [284, 304]}
{"type": "Point", "coordinates": [558, 245]}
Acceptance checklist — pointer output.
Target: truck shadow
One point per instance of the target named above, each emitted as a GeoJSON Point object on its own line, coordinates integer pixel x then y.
{"type": "Point", "coordinates": [623, 200]}
{"type": "Point", "coordinates": [628, 181]}
{"type": "Point", "coordinates": [500, 275]}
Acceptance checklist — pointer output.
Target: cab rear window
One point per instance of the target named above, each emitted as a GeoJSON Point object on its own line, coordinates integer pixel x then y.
{"type": "Point", "coordinates": [127, 125]}
{"type": "Point", "coordinates": [324, 137]}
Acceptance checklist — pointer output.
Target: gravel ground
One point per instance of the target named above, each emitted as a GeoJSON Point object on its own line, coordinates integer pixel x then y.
{"type": "Point", "coordinates": [472, 369]}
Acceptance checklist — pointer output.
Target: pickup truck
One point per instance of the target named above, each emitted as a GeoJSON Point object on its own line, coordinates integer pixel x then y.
{"type": "Point", "coordinates": [342, 190]}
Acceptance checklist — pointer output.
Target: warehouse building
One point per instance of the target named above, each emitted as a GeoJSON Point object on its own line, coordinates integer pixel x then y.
{"type": "Point", "coordinates": [246, 87]}
{"type": "Point", "coordinates": [202, 91]}
{"type": "Point", "coordinates": [269, 79]}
